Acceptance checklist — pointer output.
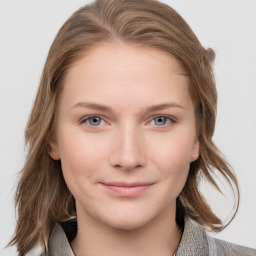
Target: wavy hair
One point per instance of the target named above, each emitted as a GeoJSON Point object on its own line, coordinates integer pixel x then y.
{"type": "Point", "coordinates": [42, 197]}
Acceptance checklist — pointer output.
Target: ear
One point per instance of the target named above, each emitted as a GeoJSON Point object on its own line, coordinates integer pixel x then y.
{"type": "Point", "coordinates": [195, 151]}
{"type": "Point", "coordinates": [53, 148]}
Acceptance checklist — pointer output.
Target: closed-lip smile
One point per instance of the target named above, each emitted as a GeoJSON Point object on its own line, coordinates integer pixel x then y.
{"type": "Point", "coordinates": [126, 189]}
{"type": "Point", "coordinates": [125, 184]}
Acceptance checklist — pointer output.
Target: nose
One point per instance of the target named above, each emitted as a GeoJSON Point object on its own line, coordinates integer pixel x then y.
{"type": "Point", "coordinates": [128, 152]}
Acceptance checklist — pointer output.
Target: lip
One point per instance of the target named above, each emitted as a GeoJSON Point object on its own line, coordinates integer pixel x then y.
{"type": "Point", "coordinates": [127, 189]}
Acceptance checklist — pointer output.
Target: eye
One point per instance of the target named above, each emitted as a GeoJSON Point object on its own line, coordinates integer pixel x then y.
{"type": "Point", "coordinates": [162, 120]}
{"type": "Point", "coordinates": [92, 120]}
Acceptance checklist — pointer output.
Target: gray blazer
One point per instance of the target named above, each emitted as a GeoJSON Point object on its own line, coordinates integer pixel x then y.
{"type": "Point", "coordinates": [194, 242]}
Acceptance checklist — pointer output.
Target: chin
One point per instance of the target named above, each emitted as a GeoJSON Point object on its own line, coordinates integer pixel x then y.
{"type": "Point", "coordinates": [128, 226]}
{"type": "Point", "coordinates": [128, 223]}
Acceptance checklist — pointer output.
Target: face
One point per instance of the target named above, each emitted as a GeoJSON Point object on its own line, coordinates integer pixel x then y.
{"type": "Point", "coordinates": [125, 134]}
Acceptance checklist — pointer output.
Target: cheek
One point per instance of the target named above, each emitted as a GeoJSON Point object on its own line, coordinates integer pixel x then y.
{"type": "Point", "coordinates": [80, 153]}
{"type": "Point", "coordinates": [172, 156]}
{"type": "Point", "coordinates": [172, 160]}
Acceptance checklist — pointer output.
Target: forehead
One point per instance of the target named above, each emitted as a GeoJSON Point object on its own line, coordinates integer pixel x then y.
{"type": "Point", "coordinates": [109, 55]}
{"type": "Point", "coordinates": [112, 71]}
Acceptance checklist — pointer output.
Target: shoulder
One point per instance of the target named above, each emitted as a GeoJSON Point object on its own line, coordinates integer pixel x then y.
{"type": "Point", "coordinates": [195, 241]}
{"type": "Point", "coordinates": [226, 248]}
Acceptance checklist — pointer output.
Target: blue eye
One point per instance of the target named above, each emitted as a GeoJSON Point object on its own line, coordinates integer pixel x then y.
{"type": "Point", "coordinates": [97, 120]}
{"type": "Point", "coordinates": [161, 120]}
{"type": "Point", "coordinates": [92, 120]}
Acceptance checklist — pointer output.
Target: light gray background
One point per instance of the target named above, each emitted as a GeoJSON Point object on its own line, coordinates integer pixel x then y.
{"type": "Point", "coordinates": [28, 27]}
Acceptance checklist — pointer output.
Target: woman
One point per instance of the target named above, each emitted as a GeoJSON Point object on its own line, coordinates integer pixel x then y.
{"type": "Point", "coordinates": [119, 138]}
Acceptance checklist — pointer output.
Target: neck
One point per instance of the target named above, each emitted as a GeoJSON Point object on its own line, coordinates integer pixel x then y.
{"type": "Point", "coordinates": [160, 237]}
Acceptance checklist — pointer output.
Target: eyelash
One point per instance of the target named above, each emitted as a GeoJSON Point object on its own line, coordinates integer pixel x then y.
{"type": "Point", "coordinates": [86, 118]}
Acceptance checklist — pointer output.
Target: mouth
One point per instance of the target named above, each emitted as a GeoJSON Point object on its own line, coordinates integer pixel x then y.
{"type": "Point", "coordinates": [126, 189]}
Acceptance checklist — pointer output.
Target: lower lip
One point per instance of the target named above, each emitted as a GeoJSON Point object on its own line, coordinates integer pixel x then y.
{"type": "Point", "coordinates": [127, 191]}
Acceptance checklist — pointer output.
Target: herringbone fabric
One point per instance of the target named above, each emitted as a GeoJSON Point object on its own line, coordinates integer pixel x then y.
{"type": "Point", "coordinates": [195, 242]}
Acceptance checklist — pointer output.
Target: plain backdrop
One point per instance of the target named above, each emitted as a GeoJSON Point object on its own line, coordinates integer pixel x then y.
{"type": "Point", "coordinates": [27, 29]}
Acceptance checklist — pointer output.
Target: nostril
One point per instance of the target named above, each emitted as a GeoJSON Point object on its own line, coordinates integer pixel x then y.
{"type": "Point", "coordinates": [126, 152]}
{"type": "Point", "coordinates": [122, 161]}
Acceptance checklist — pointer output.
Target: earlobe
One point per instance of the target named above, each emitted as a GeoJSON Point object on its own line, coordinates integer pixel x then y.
{"type": "Point", "coordinates": [53, 149]}
{"type": "Point", "coordinates": [195, 151]}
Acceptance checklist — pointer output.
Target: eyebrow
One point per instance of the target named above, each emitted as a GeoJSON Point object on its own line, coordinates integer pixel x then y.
{"type": "Point", "coordinates": [108, 109]}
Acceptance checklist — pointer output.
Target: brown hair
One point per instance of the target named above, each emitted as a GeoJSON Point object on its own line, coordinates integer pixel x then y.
{"type": "Point", "coordinates": [42, 197]}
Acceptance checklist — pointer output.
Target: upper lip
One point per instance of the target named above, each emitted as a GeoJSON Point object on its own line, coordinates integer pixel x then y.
{"type": "Point", "coordinates": [125, 184]}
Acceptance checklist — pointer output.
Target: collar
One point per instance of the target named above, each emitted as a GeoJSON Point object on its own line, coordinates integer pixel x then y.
{"type": "Point", "coordinates": [58, 243]}
{"type": "Point", "coordinates": [194, 241]}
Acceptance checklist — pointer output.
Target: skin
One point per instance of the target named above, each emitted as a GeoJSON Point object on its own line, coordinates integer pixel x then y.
{"type": "Point", "coordinates": [128, 145]}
